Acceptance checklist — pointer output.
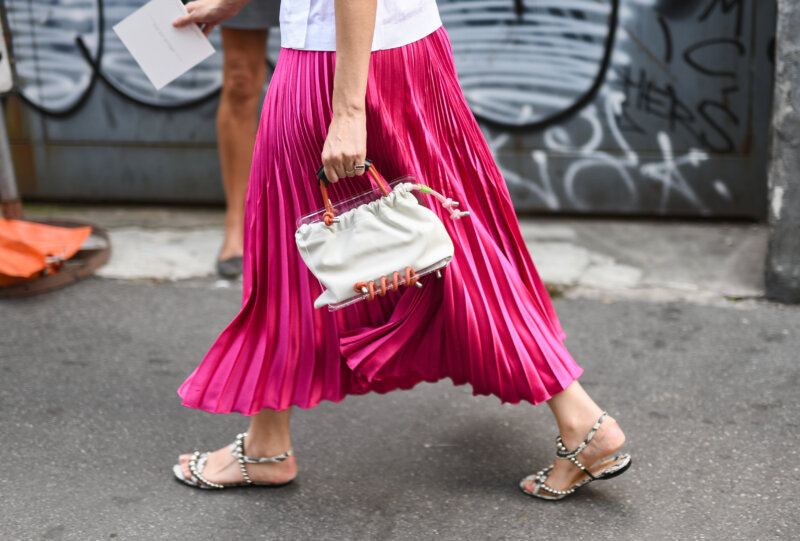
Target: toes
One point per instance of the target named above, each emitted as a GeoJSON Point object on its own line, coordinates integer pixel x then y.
{"type": "Point", "coordinates": [528, 485]}
{"type": "Point", "coordinates": [183, 464]}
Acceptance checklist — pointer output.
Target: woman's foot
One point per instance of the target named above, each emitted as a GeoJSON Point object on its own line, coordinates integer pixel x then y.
{"type": "Point", "coordinates": [233, 243]}
{"type": "Point", "coordinates": [608, 439]}
{"type": "Point", "coordinates": [230, 268]}
{"type": "Point", "coordinates": [229, 260]}
{"type": "Point", "coordinates": [223, 468]}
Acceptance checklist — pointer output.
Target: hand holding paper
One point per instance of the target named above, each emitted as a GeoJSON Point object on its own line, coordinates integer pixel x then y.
{"type": "Point", "coordinates": [163, 51]}
{"type": "Point", "coordinates": [209, 13]}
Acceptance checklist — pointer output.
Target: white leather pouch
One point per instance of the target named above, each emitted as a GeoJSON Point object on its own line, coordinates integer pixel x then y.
{"type": "Point", "coordinates": [375, 246]}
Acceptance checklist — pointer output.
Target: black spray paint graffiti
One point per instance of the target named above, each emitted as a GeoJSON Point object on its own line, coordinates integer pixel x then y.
{"type": "Point", "coordinates": [703, 56]}
{"type": "Point", "coordinates": [521, 63]}
{"type": "Point", "coordinates": [54, 74]}
{"type": "Point", "coordinates": [674, 99]}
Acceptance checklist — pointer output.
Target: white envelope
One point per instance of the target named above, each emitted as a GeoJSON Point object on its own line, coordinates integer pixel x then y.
{"type": "Point", "coordinates": [163, 51]}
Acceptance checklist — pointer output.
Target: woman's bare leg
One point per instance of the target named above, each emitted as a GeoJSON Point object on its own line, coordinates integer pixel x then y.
{"type": "Point", "coordinates": [268, 435]}
{"type": "Point", "coordinates": [575, 413]}
{"type": "Point", "coordinates": [243, 75]}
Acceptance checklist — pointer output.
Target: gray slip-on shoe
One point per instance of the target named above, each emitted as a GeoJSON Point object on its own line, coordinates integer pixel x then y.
{"type": "Point", "coordinates": [230, 267]}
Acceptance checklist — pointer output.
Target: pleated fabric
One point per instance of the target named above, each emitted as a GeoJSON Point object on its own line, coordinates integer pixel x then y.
{"type": "Point", "coordinates": [489, 320]}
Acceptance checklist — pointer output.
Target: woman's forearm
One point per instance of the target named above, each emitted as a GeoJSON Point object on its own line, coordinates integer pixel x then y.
{"type": "Point", "coordinates": [345, 145]}
{"type": "Point", "coordinates": [355, 26]}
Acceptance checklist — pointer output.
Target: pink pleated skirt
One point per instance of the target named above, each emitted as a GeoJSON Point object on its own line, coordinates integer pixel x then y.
{"type": "Point", "coordinates": [488, 322]}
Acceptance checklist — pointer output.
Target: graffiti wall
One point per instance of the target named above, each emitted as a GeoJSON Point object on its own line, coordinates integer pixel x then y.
{"type": "Point", "coordinates": [656, 107]}
{"type": "Point", "coordinates": [666, 101]}
{"type": "Point", "coordinates": [53, 71]}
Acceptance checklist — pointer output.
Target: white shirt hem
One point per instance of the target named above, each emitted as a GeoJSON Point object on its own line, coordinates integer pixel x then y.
{"type": "Point", "coordinates": [322, 36]}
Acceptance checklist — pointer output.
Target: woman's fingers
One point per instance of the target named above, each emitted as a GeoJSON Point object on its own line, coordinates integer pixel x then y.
{"type": "Point", "coordinates": [334, 170]}
{"type": "Point", "coordinates": [338, 164]}
{"type": "Point", "coordinates": [339, 167]}
{"type": "Point", "coordinates": [345, 146]}
{"type": "Point", "coordinates": [350, 167]}
{"type": "Point", "coordinates": [182, 21]}
{"type": "Point", "coordinates": [330, 174]}
{"type": "Point", "coordinates": [208, 13]}
{"type": "Point", "coordinates": [360, 159]}
{"type": "Point", "coordinates": [190, 17]}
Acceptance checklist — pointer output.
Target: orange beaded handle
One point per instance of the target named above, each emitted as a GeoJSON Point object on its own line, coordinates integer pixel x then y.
{"type": "Point", "coordinates": [330, 213]}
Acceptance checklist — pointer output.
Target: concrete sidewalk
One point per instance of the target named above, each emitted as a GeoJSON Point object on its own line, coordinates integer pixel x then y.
{"type": "Point", "coordinates": [621, 258]}
{"type": "Point", "coordinates": [91, 424]}
{"type": "Point", "coordinates": [665, 318]}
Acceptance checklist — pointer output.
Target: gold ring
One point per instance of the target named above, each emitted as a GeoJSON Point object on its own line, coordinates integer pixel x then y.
{"type": "Point", "coordinates": [349, 172]}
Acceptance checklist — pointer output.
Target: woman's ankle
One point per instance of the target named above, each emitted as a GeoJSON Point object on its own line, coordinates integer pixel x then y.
{"type": "Point", "coordinates": [579, 421]}
{"type": "Point", "coordinates": [608, 438]}
{"type": "Point", "coordinates": [575, 430]}
{"type": "Point", "coordinates": [268, 434]}
{"type": "Point", "coordinates": [259, 447]}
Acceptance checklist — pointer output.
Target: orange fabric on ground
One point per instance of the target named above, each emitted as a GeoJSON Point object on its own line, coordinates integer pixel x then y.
{"type": "Point", "coordinates": [26, 246]}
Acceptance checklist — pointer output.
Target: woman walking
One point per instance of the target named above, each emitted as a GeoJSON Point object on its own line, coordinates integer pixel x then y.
{"type": "Point", "coordinates": [390, 92]}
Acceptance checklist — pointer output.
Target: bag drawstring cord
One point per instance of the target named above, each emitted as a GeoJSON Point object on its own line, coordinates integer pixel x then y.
{"type": "Point", "coordinates": [446, 202]}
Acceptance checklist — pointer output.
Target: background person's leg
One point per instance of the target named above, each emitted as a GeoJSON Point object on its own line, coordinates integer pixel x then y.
{"type": "Point", "coordinates": [244, 73]}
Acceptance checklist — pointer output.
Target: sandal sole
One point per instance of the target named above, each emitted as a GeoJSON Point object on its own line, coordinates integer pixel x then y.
{"type": "Point", "coordinates": [178, 475]}
{"type": "Point", "coordinates": [602, 477]}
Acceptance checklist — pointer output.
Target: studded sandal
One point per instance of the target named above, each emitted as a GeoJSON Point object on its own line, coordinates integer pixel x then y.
{"type": "Point", "coordinates": [198, 463]}
{"type": "Point", "coordinates": [618, 465]}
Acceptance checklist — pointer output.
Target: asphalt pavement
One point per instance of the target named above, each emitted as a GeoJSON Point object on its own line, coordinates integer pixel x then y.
{"type": "Point", "coordinates": [91, 425]}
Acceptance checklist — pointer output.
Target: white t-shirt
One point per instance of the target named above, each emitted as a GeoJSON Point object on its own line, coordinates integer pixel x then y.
{"type": "Point", "coordinates": [310, 25]}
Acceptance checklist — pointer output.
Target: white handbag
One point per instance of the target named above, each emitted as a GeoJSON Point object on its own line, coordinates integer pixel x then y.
{"type": "Point", "coordinates": [375, 246]}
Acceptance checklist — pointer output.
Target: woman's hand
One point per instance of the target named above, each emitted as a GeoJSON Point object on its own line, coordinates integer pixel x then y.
{"type": "Point", "coordinates": [208, 13]}
{"type": "Point", "coordinates": [346, 145]}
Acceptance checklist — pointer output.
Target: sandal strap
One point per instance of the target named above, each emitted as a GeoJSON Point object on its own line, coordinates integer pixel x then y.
{"type": "Point", "coordinates": [582, 467]}
{"type": "Point", "coordinates": [542, 476]}
{"type": "Point", "coordinates": [196, 469]}
{"type": "Point", "coordinates": [547, 487]}
{"type": "Point", "coordinates": [237, 450]}
{"type": "Point", "coordinates": [563, 452]}
{"type": "Point", "coordinates": [572, 456]}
